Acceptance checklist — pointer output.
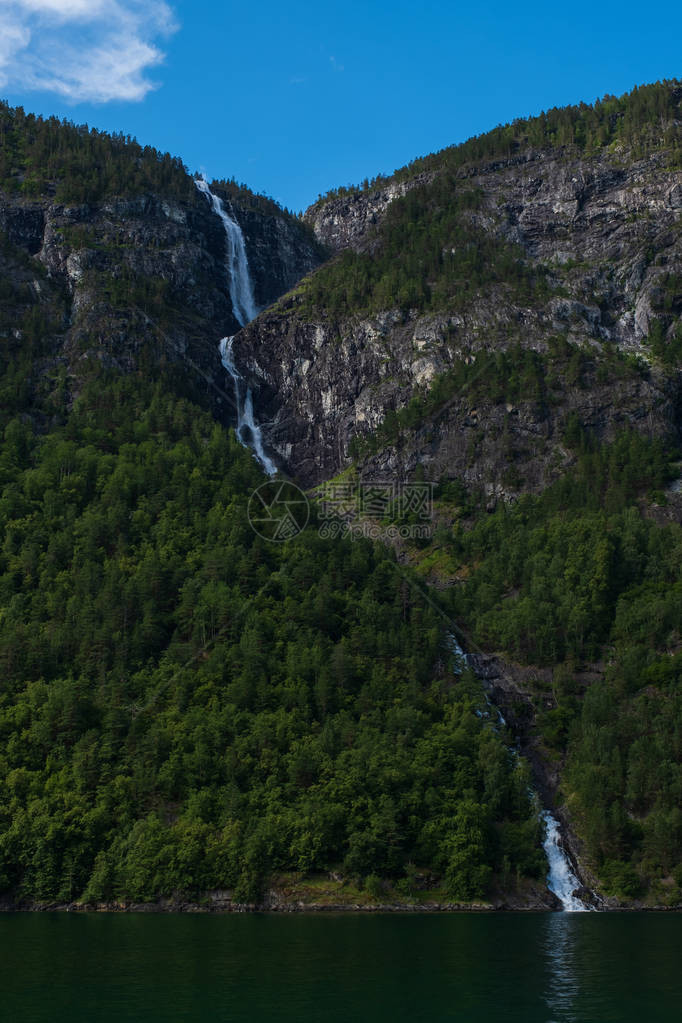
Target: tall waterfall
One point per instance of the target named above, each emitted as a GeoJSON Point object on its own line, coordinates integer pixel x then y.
{"type": "Point", "coordinates": [245, 310]}
{"type": "Point", "coordinates": [241, 287]}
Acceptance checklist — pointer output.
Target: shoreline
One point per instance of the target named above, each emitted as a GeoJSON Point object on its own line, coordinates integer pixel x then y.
{"type": "Point", "coordinates": [227, 907]}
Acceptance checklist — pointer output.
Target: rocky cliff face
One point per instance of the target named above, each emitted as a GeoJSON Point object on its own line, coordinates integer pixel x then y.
{"type": "Point", "coordinates": [606, 232]}
{"type": "Point", "coordinates": [346, 222]}
{"type": "Point", "coordinates": [140, 283]}
{"type": "Point", "coordinates": [280, 250]}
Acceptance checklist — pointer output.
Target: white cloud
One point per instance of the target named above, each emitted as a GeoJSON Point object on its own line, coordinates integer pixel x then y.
{"type": "Point", "coordinates": [83, 50]}
{"type": "Point", "coordinates": [61, 9]}
{"type": "Point", "coordinates": [12, 38]}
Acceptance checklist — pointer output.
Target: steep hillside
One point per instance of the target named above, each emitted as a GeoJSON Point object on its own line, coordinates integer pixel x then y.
{"type": "Point", "coordinates": [503, 292]}
{"type": "Point", "coordinates": [113, 252]}
{"type": "Point", "coordinates": [503, 319]}
{"type": "Point", "coordinates": [186, 708]}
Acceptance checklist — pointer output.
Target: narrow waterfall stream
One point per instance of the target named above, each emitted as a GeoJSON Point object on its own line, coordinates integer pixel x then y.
{"type": "Point", "coordinates": [245, 310]}
{"type": "Point", "coordinates": [247, 430]}
{"type": "Point", "coordinates": [561, 878]}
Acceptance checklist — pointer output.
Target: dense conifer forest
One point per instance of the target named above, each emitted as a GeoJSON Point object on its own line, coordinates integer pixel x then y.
{"type": "Point", "coordinates": [80, 164]}
{"type": "Point", "coordinates": [579, 576]}
{"type": "Point", "coordinates": [186, 706]}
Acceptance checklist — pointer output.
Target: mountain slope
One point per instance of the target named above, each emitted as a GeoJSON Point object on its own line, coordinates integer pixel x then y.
{"type": "Point", "coordinates": [127, 258]}
{"type": "Point", "coordinates": [571, 252]}
{"type": "Point", "coordinates": [185, 707]}
{"type": "Point", "coordinates": [503, 319]}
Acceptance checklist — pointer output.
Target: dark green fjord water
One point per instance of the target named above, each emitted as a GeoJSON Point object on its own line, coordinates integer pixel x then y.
{"type": "Point", "coordinates": [585, 967]}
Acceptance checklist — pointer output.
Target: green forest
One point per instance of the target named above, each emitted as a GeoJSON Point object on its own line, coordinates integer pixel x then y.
{"type": "Point", "coordinates": [81, 164]}
{"type": "Point", "coordinates": [186, 706]}
{"type": "Point", "coordinates": [577, 578]}
{"type": "Point", "coordinates": [431, 255]}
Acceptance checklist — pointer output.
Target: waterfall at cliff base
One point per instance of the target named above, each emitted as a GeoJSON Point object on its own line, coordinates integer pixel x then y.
{"type": "Point", "coordinates": [561, 879]}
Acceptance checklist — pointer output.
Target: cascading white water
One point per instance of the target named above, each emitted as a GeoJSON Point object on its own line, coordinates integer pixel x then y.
{"type": "Point", "coordinates": [561, 879]}
{"type": "Point", "coordinates": [241, 286]}
{"type": "Point", "coordinates": [461, 661]}
{"type": "Point", "coordinates": [245, 419]}
{"type": "Point", "coordinates": [245, 310]}
{"type": "Point", "coordinates": [256, 438]}
{"type": "Point", "coordinates": [227, 359]}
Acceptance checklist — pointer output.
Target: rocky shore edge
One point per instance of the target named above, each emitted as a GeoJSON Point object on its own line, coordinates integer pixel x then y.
{"type": "Point", "coordinates": [534, 900]}
{"type": "Point", "coordinates": [183, 906]}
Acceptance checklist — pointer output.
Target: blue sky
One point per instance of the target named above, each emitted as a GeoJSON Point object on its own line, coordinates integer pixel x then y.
{"type": "Point", "coordinates": [295, 98]}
